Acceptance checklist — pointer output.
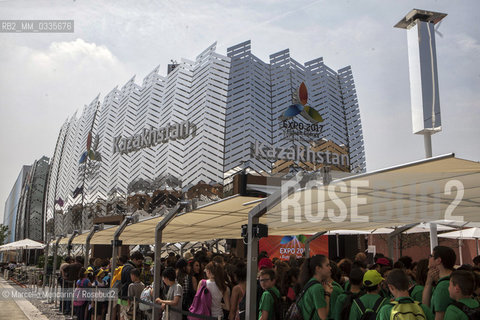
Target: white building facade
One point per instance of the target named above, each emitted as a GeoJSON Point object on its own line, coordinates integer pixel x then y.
{"type": "Point", "coordinates": [203, 122]}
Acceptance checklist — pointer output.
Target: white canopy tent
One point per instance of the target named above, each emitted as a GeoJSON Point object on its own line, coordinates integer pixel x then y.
{"type": "Point", "coordinates": [25, 244]}
{"type": "Point", "coordinates": [22, 244]}
{"type": "Point", "coordinates": [466, 234]}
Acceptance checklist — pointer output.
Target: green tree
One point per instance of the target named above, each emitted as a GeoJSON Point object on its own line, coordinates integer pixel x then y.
{"type": "Point", "coordinates": [3, 233]}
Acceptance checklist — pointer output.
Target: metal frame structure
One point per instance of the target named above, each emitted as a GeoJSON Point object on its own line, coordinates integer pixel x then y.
{"type": "Point", "coordinates": [94, 229]}
{"type": "Point", "coordinates": [158, 247]}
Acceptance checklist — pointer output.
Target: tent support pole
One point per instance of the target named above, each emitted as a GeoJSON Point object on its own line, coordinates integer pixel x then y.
{"type": "Point", "coordinates": [460, 250]}
{"type": "Point", "coordinates": [115, 243]}
{"type": "Point", "coordinates": [183, 247]}
{"type": "Point", "coordinates": [476, 245]}
{"type": "Point", "coordinates": [307, 243]}
{"type": "Point", "coordinates": [69, 247]}
{"type": "Point", "coordinates": [337, 239]}
{"type": "Point", "coordinates": [252, 246]}
{"type": "Point", "coordinates": [55, 254]}
{"type": "Point", "coordinates": [158, 249]}
{"type": "Point", "coordinates": [433, 236]}
{"type": "Point", "coordinates": [396, 233]}
{"type": "Point", "coordinates": [94, 229]}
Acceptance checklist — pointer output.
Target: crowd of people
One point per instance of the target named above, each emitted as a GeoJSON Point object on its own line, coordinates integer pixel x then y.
{"type": "Point", "coordinates": [312, 288]}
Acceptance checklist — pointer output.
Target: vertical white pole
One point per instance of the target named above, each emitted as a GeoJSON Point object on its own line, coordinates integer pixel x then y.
{"type": "Point", "coordinates": [460, 244]}
{"type": "Point", "coordinates": [433, 236]}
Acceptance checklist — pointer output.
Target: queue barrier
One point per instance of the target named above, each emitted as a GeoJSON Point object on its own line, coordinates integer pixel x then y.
{"type": "Point", "coordinates": [55, 285]}
{"type": "Point", "coordinates": [168, 309]}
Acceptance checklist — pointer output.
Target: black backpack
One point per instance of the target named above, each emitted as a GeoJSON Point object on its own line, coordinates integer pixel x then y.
{"type": "Point", "coordinates": [369, 314]}
{"type": "Point", "coordinates": [279, 306]}
{"type": "Point", "coordinates": [345, 312]}
{"type": "Point", "coordinates": [294, 312]}
{"type": "Point", "coordinates": [471, 313]}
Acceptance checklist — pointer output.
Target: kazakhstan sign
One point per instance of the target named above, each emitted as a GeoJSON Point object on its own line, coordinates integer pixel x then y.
{"type": "Point", "coordinates": [298, 154]}
{"type": "Point", "coordinates": [151, 137]}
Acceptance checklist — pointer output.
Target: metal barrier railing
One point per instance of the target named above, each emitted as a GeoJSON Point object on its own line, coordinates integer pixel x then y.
{"type": "Point", "coordinates": [168, 309]}
{"type": "Point", "coordinates": [54, 285]}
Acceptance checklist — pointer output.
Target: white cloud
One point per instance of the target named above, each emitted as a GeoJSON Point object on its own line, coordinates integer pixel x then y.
{"type": "Point", "coordinates": [40, 89]}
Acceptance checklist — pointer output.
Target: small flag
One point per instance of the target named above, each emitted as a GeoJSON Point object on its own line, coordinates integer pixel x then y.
{"type": "Point", "coordinates": [89, 141]}
{"type": "Point", "coordinates": [59, 201]}
{"type": "Point", "coordinates": [77, 191]}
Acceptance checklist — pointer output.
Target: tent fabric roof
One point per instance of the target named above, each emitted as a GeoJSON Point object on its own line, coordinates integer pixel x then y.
{"type": "Point", "coordinates": [219, 220]}
{"type": "Point", "coordinates": [472, 233]}
{"type": "Point", "coordinates": [422, 191]}
{"type": "Point", "coordinates": [22, 244]}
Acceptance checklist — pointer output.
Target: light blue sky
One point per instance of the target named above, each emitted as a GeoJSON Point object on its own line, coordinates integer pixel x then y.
{"type": "Point", "coordinates": [44, 78]}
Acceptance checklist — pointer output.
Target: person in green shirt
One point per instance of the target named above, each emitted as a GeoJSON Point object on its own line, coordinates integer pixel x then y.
{"type": "Point", "coordinates": [341, 310]}
{"type": "Point", "coordinates": [315, 302]}
{"type": "Point", "coordinates": [397, 281]}
{"type": "Point", "coordinates": [416, 291]}
{"type": "Point", "coordinates": [461, 287]}
{"type": "Point", "coordinates": [267, 301]}
{"type": "Point", "coordinates": [440, 266]}
{"type": "Point", "coordinates": [337, 289]}
{"type": "Point", "coordinates": [370, 300]}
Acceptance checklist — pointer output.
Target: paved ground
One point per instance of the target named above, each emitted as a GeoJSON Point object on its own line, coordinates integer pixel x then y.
{"type": "Point", "coordinates": [17, 309]}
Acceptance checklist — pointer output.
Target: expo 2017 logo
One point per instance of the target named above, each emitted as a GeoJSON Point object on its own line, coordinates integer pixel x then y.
{"type": "Point", "coordinates": [300, 106]}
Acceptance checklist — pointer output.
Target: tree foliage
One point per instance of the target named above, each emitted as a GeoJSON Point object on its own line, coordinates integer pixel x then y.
{"type": "Point", "coordinates": [4, 232]}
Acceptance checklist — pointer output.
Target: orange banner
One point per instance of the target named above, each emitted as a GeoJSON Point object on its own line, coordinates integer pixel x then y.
{"type": "Point", "coordinates": [283, 246]}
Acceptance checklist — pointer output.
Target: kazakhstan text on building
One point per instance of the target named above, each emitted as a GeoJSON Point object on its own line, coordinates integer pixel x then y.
{"type": "Point", "coordinates": [200, 124]}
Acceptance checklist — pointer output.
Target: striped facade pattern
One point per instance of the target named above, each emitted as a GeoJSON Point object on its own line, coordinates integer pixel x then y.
{"type": "Point", "coordinates": [232, 100]}
{"type": "Point", "coordinates": [259, 93]}
{"type": "Point", "coordinates": [195, 91]}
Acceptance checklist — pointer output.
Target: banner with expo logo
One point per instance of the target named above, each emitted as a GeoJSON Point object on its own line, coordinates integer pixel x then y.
{"type": "Point", "coordinates": [283, 247]}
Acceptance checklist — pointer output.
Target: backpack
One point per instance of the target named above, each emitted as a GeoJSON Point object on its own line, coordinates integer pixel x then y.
{"type": "Point", "coordinates": [202, 302]}
{"type": "Point", "coordinates": [369, 314]}
{"type": "Point", "coordinates": [78, 293]}
{"type": "Point", "coordinates": [407, 310]}
{"type": "Point", "coordinates": [116, 278]}
{"type": "Point", "coordinates": [294, 312]}
{"type": "Point", "coordinates": [279, 307]}
{"type": "Point", "coordinates": [147, 297]}
{"type": "Point", "coordinates": [471, 313]}
{"type": "Point", "coordinates": [345, 312]}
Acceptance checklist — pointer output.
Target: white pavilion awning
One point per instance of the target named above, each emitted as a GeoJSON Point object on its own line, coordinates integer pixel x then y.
{"type": "Point", "coordinates": [22, 244]}
{"type": "Point", "coordinates": [466, 234]}
{"type": "Point", "coordinates": [441, 188]}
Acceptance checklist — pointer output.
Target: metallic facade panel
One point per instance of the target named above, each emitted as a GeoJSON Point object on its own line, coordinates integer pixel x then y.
{"type": "Point", "coordinates": [425, 99]}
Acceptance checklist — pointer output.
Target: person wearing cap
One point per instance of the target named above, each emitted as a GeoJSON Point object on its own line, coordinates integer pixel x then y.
{"type": "Point", "coordinates": [398, 283]}
{"type": "Point", "coordinates": [383, 262]}
{"type": "Point", "coordinates": [371, 300]}
{"type": "Point", "coordinates": [83, 282]}
{"type": "Point", "coordinates": [265, 263]}
{"type": "Point", "coordinates": [188, 256]}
